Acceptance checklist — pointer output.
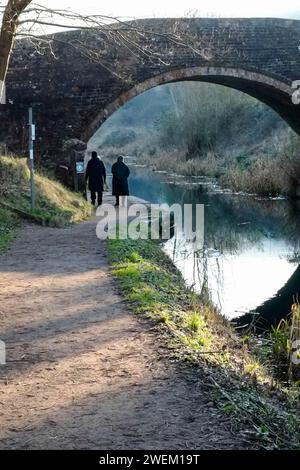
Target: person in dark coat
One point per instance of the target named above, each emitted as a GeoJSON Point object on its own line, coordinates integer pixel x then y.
{"type": "Point", "coordinates": [95, 174]}
{"type": "Point", "coordinates": [120, 173]}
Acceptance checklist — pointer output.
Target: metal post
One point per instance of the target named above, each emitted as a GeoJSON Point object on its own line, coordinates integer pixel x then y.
{"type": "Point", "coordinates": [31, 160]}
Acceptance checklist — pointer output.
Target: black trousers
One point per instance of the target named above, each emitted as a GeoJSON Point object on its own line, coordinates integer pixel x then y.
{"type": "Point", "coordinates": [93, 197]}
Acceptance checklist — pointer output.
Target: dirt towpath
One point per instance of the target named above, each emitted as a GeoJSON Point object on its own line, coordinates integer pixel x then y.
{"type": "Point", "coordinates": [82, 371]}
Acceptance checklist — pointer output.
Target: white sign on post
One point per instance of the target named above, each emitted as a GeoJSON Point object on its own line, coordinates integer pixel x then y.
{"type": "Point", "coordinates": [33, 132]}
{"type": "Point", "coordinates": [31, 154]}
{"type": "Point", "coordinates": [2, 353]}
{"type": "Point", "coordinates": [2, 93]}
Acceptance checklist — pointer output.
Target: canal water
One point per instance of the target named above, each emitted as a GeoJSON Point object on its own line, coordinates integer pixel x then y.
{"type": "Point", "coordinates": [248, 266]}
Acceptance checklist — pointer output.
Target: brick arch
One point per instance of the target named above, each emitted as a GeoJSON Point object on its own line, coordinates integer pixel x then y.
{"type": "Point", "coordinates": [269, 90]}
{"type": "Point", "coordinates": [73, 95]}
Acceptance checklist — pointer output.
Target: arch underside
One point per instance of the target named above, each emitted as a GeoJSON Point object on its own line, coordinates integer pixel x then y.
{"type": "Point", "coordinates": [269, 90]}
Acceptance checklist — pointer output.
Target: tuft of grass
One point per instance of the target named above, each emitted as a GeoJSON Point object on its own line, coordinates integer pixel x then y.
{"type": "Point", "coordinates": [134, 257]}
{"type": "Point", "coordinates": [194, 321]}
{"type": "Point", "coordinates": [8, 225]}
{"type": "Point", "coordinates": [237, 381]}
{"type": "Point", "coordinates": [283, 337]}
{"type": "Point", "coordinates": [164, 317]}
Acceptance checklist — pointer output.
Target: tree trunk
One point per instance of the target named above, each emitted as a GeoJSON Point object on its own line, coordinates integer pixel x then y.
{"type": "Point", "coordinates": [11, 15]}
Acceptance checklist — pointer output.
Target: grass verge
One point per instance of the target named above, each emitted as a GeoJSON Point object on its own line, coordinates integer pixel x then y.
{"type": "Point", "coordinates": [55, 205]}
{"type": "Point", "coordinates": [238, 381]}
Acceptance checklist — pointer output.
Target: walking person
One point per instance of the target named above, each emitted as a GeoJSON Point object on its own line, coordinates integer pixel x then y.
{"type": "Point", "coordinates": [96, 176]}
{"type": "Point", "coordinates": [120, 173]}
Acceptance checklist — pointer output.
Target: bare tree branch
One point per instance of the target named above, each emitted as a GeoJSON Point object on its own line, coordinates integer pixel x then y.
{"type": "Point", "coordinates": [25, 19]}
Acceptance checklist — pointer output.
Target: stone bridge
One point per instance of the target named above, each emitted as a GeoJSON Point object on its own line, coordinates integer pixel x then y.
{"type": "Point", "coordinates": [83, 78]}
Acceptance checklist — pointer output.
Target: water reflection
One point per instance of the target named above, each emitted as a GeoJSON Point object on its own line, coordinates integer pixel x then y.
{"type": "Point", "coordinates": [272, 310]}
{"type": "Point", "coordinates": [236, 282]}
{"type": "Point", "coordinates": [251, 245]}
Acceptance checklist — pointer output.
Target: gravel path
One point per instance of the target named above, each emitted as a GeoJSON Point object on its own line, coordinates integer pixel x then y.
{"type": "Point", "coordinates": [82, 372]}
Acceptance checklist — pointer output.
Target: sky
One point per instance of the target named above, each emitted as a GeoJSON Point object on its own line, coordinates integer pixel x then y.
{"type": "Point", "coordinates": [171, 8]}
{"type": "Point", "coordinates": [133, 9]}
